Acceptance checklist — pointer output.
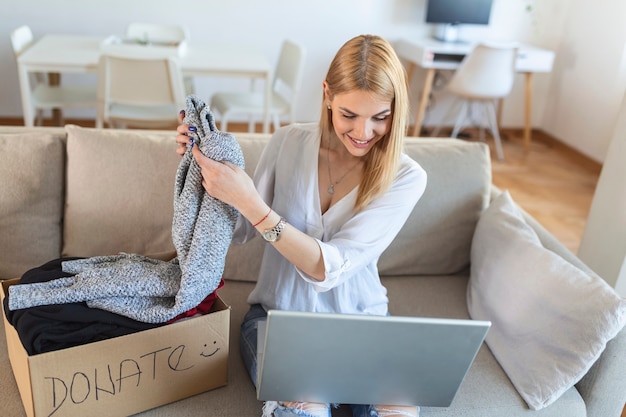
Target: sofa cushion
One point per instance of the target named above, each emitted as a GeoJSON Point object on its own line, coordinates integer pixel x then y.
{"type": "Point", "coordinates": [550, 320]}
{"type": "Point", "coordinates": [120, 191]}
{"type": "Point", "coordinates": [437, 236]}
{"type": "Point", "coordinates": [31, 206]}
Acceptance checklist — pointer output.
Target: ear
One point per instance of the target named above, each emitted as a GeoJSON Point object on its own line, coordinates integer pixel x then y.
{"type": "Point", "coordinates": [327, 94]}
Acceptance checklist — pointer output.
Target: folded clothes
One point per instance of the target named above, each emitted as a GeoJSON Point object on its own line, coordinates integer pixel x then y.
{"type": "Point", "coordinates": [125, 284]}
{"type": "Point", "coordinates": [52, 327]}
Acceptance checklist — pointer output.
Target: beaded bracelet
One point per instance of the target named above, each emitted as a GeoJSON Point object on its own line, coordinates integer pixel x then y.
{"type": "Point", "coordinates": [264, 217]}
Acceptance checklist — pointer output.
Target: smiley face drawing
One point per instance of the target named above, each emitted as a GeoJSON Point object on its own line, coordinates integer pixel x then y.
{"type": "Point", "coordinates": [204, 353]}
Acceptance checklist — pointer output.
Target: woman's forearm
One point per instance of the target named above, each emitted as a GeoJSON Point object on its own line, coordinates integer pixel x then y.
{"type": "Point", "coordinates": [297, 247]}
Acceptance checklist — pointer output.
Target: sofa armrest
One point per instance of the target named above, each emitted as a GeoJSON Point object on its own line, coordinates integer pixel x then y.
{"type": "Point", "coordinates": [604, 387]}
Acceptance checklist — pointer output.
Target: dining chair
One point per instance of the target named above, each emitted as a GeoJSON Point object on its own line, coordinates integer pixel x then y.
{"type": "Point", "coordinates": [143, 92]}
{"type": "Point", "coordinates": [143, 32]}
{"type": "Point", "coordinates": [46, 96]}
{"type": "Point", "coordinates": [484, 77]}
{"type": "Point", "coordinates": [284, 91]}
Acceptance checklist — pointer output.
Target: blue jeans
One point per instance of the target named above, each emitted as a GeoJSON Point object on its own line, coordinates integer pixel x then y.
{"type": "Point", "coordinates": [357, 411]}
{"type": "Point", "coordinates": [248, 347]}
{"type": "Point", "coordinates": [248, 339]}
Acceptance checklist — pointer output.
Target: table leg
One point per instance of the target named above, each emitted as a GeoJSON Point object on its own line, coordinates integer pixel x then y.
{"type": "Point", "coordinates": [54, 78]}
{"type": "Point", "coordinates": [28, 111]}
{"type": "Point", "coordinates": [528, 111]}
{"type": "Point", "coordinates": [419, 118]}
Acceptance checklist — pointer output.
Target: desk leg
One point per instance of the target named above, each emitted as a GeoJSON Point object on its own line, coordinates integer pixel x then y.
{"type": "Point", "coordinates": [528, 111]}
{"type": "Point", "coordinates": [428, 84]}
{"type": "Point", "coordinates": [27, 105]}
{"type": "Point", "coordinates": [409, 72]}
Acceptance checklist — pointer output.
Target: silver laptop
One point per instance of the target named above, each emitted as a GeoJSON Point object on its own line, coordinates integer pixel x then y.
{"type": "Point", "coordinates": [362, 359]}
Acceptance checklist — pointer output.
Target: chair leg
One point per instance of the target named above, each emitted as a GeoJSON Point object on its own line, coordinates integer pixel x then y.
{"type": "Point", "coordinates": [460, 119]}
{"type": "Point", "coordinates": [436, 130]}
{"type": "Point", "coordinates": [484, 121]}
{"type": "Point", "coordinates": [276, 122]}
{"type": "Point", "coordinates": [57, 117]}
{"type": "Point", "coordinates": [251, 124]}
{"type": "Point", "coordinates": [100, 115]}
{"type": "Point", "coordinates": [493, 124]}
{"type": "Point", "coordinates": [39, 117]}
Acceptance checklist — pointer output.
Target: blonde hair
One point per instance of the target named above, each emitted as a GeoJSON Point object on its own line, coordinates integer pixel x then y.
{"type": "Point", "coordinates": [369, 63]}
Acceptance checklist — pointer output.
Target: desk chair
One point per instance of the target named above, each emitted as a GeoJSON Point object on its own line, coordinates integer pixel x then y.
{"type": "Point", "coordinates": [144, 92]}
{"type": "Point", "coordinates": [284, 91]}
{"type": "Point", "coordinates": [161, 33]}
{"type": "Point", "coordinates": [485, 76]}
{"type": "Point", "coordinates": [50, 97]}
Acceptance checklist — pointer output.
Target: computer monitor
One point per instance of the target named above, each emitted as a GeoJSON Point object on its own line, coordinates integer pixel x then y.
{"type": "Point", "coordinates": [449, 14]}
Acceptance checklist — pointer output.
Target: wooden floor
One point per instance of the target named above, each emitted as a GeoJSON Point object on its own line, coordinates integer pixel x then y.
{"type": "Point", "coordinates": [552, 182]}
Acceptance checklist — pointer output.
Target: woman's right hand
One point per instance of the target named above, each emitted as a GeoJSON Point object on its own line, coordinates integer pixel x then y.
{"type": "Point", "coordinates": [183, 138]}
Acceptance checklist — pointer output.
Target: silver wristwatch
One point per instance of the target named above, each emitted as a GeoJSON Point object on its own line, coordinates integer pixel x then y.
{"type": "Point", "coordinates": [273, 234]}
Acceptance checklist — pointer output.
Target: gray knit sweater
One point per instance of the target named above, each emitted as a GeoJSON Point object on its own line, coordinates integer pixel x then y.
{"type": "Point", "coordinates": [151, 290]}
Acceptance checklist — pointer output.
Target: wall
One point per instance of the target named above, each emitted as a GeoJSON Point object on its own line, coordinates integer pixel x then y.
{"type": "Point", "coordinates": [323, 25]}
{"type": "Point", "coordinates": [589, 77]}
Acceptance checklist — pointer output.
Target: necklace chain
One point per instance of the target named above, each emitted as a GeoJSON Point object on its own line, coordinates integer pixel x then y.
{"type": "Point", "coordinates": [331, 187]}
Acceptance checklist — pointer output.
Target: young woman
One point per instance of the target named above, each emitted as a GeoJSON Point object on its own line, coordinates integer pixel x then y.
{"type": "Point", "coordinates": [329, 198]}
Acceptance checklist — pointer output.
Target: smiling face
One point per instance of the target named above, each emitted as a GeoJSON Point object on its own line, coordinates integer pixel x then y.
{"type": "Point", "coordinates": [209, 351]}
{"type": "Point", "coordinates": [366, 106]}
{"type": "Point", "coordinates": [360, 119]}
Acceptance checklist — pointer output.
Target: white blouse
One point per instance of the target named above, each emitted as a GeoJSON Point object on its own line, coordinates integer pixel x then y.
{"type": "Point", "coordinates": [351, 244]}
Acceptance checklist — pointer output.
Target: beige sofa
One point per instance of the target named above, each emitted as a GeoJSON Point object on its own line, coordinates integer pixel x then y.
{"type": "Point", "coordinates": [84, 192]}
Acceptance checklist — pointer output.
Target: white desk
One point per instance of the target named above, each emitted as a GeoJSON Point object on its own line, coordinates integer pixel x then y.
{"type": "Point", "coordinates": [433, 55]}
{"type": "Point", "coordinates": [70, 53]}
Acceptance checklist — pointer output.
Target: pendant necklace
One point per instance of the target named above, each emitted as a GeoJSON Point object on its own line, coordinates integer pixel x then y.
{"type": "Point", "coordinates": [331, 188]}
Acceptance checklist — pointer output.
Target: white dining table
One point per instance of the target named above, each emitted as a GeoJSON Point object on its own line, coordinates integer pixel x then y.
{"type": "Point", "coordinates": [56, 53]}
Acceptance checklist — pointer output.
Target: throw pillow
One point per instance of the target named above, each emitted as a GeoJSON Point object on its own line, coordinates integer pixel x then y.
{"type": "Point", "coordinates": [550, 320]}
{"type": "Point", "coordinates": [31, 204]}
{"type": "Point", "coordinates": [119, 191]}
{"type": "Point", "coordinates": [439, 230]}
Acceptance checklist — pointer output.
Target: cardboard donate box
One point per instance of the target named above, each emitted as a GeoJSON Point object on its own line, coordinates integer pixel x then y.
{"type": "Point", "coordinates": [127, 374]}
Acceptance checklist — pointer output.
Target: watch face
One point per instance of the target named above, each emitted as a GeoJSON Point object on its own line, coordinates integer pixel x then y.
{"type": "Point", "coordinates": [270, 235]}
